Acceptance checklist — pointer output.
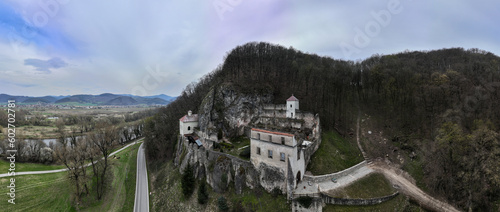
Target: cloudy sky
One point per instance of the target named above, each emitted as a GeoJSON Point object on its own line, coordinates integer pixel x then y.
{"type": "Point", "coordinates": [149, 47]}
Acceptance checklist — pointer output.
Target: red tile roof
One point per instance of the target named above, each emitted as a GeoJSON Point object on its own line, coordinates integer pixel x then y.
{"type": "Point", "coordinates": [292, 98]}
{"type": "Point", "coordinates": [192, 118]}
{"type": "Point", "coordinates": [271, 132]}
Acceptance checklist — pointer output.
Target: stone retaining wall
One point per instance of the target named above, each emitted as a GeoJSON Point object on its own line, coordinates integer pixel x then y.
{"type": "Point", "coordinates": [341, 201]}
{"type": "Point", "coordinates": [274, 107]}
{"type": "Point", "coordinates": [326, 177]}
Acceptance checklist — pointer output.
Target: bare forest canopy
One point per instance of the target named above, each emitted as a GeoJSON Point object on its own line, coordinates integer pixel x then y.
{"type": "Point", "coordinates": [422, 97]}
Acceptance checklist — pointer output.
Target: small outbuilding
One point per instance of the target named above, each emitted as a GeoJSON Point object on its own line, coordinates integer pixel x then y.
{"type": "Point", "coordinates": [187, 123]}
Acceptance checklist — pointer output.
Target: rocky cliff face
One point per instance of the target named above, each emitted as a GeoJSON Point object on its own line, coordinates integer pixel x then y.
{"type": "Point", "coordinates": [222, 170]}
{"type": "Point", "coordinates": [225, 111]}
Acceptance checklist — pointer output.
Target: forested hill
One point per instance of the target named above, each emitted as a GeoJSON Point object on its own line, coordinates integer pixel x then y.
{"type": "Point", "coordinates": [444, 103]}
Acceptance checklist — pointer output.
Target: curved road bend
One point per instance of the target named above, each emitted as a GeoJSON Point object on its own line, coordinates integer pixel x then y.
{"type": "Point", "coordinates": [141, 203]}
{"type": "Point", "coordinates": [63, 170]}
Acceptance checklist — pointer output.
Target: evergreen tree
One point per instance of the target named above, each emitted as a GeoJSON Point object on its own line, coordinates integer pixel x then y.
{"type": "Point", "coordinates": [222, 203]}
{"type": "Point", "coordinates": [188, 181]}
{"type": "Point", "coordinates": [202, 193]}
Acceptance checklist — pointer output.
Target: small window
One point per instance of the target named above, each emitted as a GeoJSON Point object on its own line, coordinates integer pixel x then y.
{"type": "Point", "coordinates": [291, 114]}
{"type": "Point", "coordinates": [258, 150]}
{"type": "Point", "coordinates": [290, 105]}
{"type": "Point", "coordinates": [282, 156]}
{"type": "Point", "coordinates": [283, 140]}
{"type": "Point", "coordinates": [258, 136]}
{"type": "Point", "coordinates": [270, 153]}
{"type": "Point", "coordinates": [189, 127]}
{"type": "Point", "coordinates": [270, 138]}
{"type": "Point", "coordinates": [298, 153]}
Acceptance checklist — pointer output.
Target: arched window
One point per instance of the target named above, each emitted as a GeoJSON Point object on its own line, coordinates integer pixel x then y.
{"type": "Point", "coordinates": [189, 127]}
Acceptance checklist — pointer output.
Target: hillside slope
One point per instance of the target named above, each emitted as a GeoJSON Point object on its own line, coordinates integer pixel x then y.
{"type": "Point", "coordinates": [438, 109]}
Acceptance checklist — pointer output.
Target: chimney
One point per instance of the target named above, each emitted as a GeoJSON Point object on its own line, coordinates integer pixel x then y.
{"type": "Point", "coordinates": [190, 113]}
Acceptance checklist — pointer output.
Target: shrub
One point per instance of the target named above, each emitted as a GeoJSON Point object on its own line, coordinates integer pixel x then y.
{"type": "Point", "coordinates": [223, 182]}
{"type": "Point", "coordinates": [226, 145]}
{"type": "Point", "coordinates": [276, 192]}
{"type": "Point", "coordinates": [216, 146]}
{"type": "Point", "coordinates": [222, 204]}
{"type": "Point", "coordinates": [245, 153]}
{"type": "Point", "coordinates": [202, 193]}
{"type": "Point", "coordinates": [219, 134]}
{"type": "Point", "coordinates": [188, 181]}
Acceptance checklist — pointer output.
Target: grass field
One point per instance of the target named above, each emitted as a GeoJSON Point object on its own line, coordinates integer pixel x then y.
{"type": "Point", "coordinates": [334, 154]}
{"type": "Point", "coordinates": [120, 195]}
{"type": "Point", "coordinates": [52, 192]}
{"type": "Point", "coordinates": [415, 169]}
{"type": "Point", "coordinates": [237, 146]}
{"type": "Point", "coordinates": [372, 186]}
{"type": "Point", "coordinates": [46, 192]}
{"type": "Point", "coordinates": [398, 203]}
{"type": "Point", "coordinates": [22, 167]}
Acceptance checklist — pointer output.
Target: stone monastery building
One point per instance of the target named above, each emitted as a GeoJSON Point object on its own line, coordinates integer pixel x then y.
{"type": "Point", "coordinates": [282, 140]}
{"type": "Point", "coordinates": [277, 149]}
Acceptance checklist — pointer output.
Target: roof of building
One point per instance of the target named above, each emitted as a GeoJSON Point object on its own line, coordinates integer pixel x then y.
{"type": "Point", "coordinates": [272, 132]}
{"type": "Point", "coordinates": [191, 118]}
{"type": "Point", "coordinates": [199, 143]}
{"type": "Point", "coordinates": [292, 98]}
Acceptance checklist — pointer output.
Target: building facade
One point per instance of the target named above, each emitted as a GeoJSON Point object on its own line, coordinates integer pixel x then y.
{"type": "Point", "coordinates": [280, 150]}
{"type": "Point", "coordinates": [187, 123]}
{"type": "Point", "coordinates": [292, 107]}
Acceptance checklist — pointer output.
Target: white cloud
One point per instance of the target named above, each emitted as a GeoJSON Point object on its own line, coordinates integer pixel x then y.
{"type": "Point", "coordinates": [108, 44]}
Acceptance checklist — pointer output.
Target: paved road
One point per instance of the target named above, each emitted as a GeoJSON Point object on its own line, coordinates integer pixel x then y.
{"type": "Point", "coordinates": [63, 170]}
{"type": "Point", "coordinates": [141, 185]}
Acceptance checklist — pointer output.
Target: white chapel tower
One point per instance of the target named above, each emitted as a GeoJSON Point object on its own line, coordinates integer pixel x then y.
{"type": "Point", "coordinates": [292, 105]}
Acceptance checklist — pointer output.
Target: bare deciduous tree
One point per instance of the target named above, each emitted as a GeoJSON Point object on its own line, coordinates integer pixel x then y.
{"type": "Point", "coordinates": [103, 139]}
{"type": "Point", "coordinates": [74, 158]}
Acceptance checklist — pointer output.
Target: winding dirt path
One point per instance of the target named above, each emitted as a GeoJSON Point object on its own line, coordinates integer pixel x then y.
{"type": "Point", "coordinates": [405, 186]}
{"type": "Point", "coordinates": [409, 189]}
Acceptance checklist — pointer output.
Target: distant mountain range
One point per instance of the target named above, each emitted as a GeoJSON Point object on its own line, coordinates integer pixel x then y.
{"type": "Point", "coordinates": [102, 99]}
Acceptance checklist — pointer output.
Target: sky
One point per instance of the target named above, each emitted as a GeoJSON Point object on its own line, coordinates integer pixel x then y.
{"type": "Point", "coordinates": [150, 47]}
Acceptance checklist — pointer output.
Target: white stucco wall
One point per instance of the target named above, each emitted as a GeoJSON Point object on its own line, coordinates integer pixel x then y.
{"type": "Point", "coordinates": [187, 127]}
{"type": "Point", "coordinates": [290, 149]}
{"type": "Point", "coordinates": [291, 108]}
{"type": "Point", "coordinates": [298, 165]}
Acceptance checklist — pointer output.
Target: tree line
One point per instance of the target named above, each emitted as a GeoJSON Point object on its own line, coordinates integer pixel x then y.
{"type": "Point", "coordinates": [75, 152]}
{"type": "Point", "coordinates": [35, 150]}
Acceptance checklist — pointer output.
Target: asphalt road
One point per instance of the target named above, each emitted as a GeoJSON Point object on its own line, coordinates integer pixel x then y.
{"type": "Point", "coordinates": [141, 203]}
{"type": "Point", "coordinates": [63, 170]}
